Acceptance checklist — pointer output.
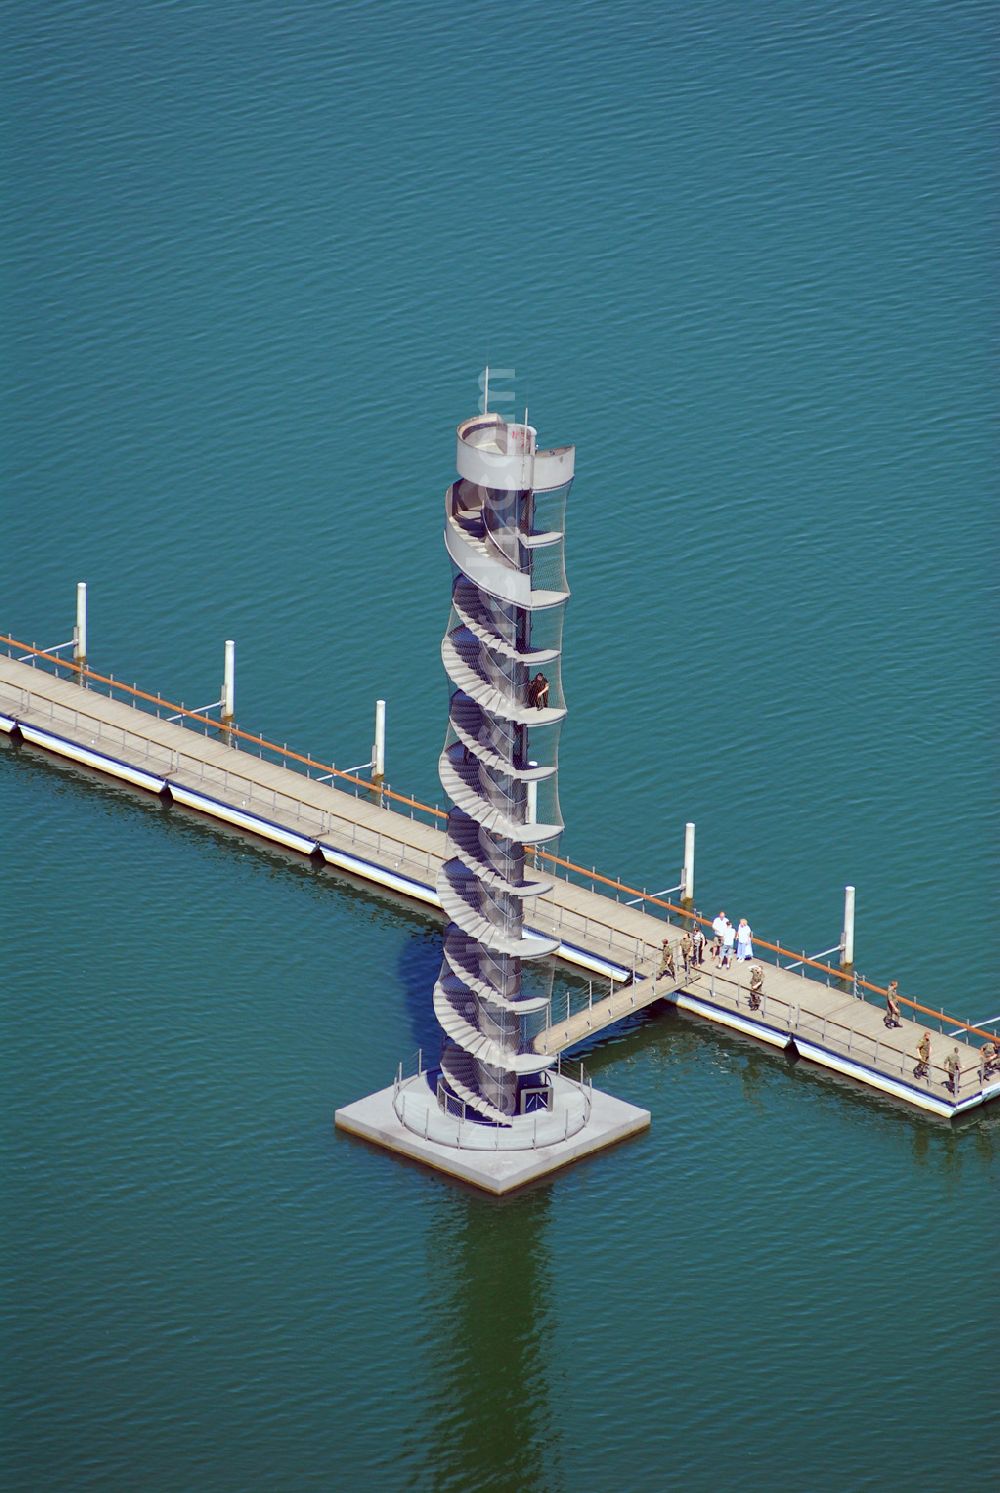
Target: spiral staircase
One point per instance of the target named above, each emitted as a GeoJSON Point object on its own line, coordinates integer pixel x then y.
{"type": "Point", "coordinates": [499, 762]}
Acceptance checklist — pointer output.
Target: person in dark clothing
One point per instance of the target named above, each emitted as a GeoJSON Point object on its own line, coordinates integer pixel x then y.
{"type": "Point", "coordinates": [538, 692]}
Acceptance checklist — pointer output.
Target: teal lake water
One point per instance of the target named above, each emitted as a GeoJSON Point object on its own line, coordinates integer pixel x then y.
{"type": "Point", "coordinates": [254, 258]}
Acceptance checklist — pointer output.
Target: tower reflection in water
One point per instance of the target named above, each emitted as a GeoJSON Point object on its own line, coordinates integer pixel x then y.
{"type": "Point", "coordinates": [492, 1358]}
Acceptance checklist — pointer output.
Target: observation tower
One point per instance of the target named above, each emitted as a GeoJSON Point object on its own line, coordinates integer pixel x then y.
{"type": "Point", "coordinates": [494, 1111]}
{"type": "Point", "coordinates": [504, 526]}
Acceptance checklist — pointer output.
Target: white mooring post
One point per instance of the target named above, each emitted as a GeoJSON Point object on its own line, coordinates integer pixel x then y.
{"type": "Point", "coordinates": [687, 874]}
{"type": "Point", "coordinates": [847, 937]}
{"type": "Point", "coordinates": [229, 684]}
{"type": "Point", "coordinates": [378, 747]}
{"type": "Point", "coordinates": [80, 631]}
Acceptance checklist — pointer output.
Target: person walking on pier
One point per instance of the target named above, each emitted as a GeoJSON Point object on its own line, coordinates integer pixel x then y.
{"type": "Point", "coordinates": [744, 941]}
{"type": "Point", "coordinates": [667, 966]}
{"type": "Point", "coordinates": [756, 986]}
{"type": "Point", "coordinates": [953, 1068]}
{"type": "Point", "coordinates": [686, 947]}
{"type": "Point", "coordinates": [698, 944]}
{"type": "Point", "coordinates": [891, 1017]}
{"type": "Point", "coordinates": [718, 928]}
{"type": "Point", "coordinates": [923, 1056]}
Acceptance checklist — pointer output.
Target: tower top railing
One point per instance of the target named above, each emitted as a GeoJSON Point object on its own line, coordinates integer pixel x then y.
{"type": "Point", "coordinates": [493, 452]}
{"type": "Point", "coordinates": [388, 798]}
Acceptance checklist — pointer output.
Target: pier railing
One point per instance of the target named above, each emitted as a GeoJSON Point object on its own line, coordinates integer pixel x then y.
{"type": "Point", "coordinates": [883, 1053]}
{"type": "Point", "coordinates": [613, 887]}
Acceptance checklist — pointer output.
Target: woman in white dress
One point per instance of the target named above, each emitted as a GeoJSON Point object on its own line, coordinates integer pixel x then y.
{"type": "Point", "coordinates": [744, 940]}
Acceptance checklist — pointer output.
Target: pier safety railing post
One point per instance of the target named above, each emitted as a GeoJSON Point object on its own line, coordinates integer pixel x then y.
{"type": "Point", "coordinates": [229, 684]}
{"type": "Point", "coordinates": [687, 871]}
{"type": "Point", "coordinates": [847, 937]}
{"type": "Point", "coordinates": [80, 631]}
{"type": "Point", "coordinates": [378, 746]}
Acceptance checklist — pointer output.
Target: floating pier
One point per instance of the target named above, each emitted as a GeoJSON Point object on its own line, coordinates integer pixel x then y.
{"type": "Point", "coordinates": [390, 840]}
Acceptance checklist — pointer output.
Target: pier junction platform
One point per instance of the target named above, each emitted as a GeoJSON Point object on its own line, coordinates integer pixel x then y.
{"type": "Point", "coordinates": [608, 929]}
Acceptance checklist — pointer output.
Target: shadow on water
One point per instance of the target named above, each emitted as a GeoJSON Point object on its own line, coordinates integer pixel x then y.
{"type": "Point", "coordinates": [491, 1359]}
{"type": "Point", "coordinates": [944, 1147]}
{"type": "Point", "coordinates": [753, 1076]}
{"type": "Point", "coordinates": [417, 969]}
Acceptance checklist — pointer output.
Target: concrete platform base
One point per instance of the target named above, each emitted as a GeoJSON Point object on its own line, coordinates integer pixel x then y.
{"type": "Point", "coordinates": [496, 1171]}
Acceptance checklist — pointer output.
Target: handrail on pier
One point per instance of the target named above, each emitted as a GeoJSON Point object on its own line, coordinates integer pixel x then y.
{"type": "Point", "coordinates": [389, 797]}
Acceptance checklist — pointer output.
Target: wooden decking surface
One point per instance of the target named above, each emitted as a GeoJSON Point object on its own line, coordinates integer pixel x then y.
{"type": "Point", "coordinates": [356, 825]}
{"type": "Point", "coordinates": [597, 1015]}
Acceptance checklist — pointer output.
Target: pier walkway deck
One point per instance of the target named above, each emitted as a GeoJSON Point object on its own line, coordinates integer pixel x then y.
{"type": "Point", "coordinates": [604, 927]}
{"type": "Point", "coordinates": [794, 1012]}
